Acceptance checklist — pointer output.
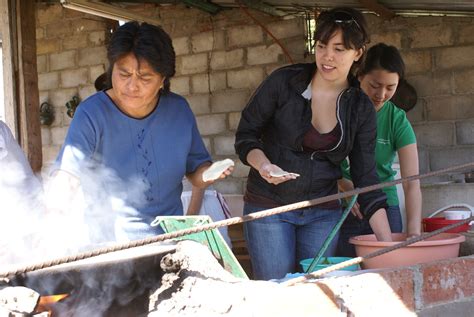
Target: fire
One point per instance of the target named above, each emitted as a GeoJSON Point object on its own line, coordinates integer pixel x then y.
{"type": "Point", "coordinates": [46, 303]}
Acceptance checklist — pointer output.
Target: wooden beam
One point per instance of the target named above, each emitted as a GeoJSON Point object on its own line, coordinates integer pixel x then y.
{"type": "Point", "coordinates": [21, 77]}
{"type": "Point", "coordinates": [380, 9]}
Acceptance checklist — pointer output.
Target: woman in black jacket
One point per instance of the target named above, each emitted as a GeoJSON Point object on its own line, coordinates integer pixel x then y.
{"type": "Point", "coordinates": [305, 119]}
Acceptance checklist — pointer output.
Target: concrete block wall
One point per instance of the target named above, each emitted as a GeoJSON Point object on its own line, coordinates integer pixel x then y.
{"type": "Point", "coordinates": [71, 54]}
{"type": "Point", "coordinates": [221, 59]}
{"type": "Point", "coordinates": [438, 53]}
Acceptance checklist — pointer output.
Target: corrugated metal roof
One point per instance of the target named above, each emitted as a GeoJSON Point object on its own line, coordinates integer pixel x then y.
{"type": "Point", "coordinates": [400, 7]}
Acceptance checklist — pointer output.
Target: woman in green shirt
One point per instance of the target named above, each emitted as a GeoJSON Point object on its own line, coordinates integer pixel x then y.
{"type": "Point", "coordinates": [379, 78]}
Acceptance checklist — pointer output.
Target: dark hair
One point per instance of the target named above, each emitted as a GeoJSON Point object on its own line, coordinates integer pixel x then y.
{"type": "Point", "coordinates": [383, 56]}
{"type": "Point", "coordinates": [147, 42]}
{"type": "Point", "coordinates": [352, 24]}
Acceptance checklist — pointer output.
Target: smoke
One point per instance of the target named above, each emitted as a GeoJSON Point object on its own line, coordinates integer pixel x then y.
{"type": "Point", "coordinates": [36, 227]}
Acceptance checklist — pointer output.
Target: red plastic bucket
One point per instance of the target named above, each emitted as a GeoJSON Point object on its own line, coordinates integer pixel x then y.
{"type": "Point", "coordinates": [432, 224]}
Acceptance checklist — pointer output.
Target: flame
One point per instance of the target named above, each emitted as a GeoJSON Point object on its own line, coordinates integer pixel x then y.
{"type": "Point", "coordinates": [45, 303]}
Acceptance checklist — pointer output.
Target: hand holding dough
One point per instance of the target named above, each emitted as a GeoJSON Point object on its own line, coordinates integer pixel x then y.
{"type": "Point", "coordinates": [216, 170]}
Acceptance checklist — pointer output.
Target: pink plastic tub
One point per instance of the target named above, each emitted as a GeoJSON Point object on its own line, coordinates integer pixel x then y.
{"type": "Point", "coordinates": [442, 246]}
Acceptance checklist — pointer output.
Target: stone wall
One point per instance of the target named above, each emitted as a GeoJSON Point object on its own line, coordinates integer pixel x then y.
{"type": "Point", "coordinates": [221, 59]}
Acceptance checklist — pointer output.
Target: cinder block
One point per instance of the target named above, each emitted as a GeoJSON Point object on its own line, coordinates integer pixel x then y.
{"type": "Point", "coordinates": [263, 54]}
{"type": "Point", "coordinates": [218, 81]}
{"type": "Point", "coordinates": [41, 63]}
{"type": "Point", "coordinates": [97, 38]}
{"type": "Point", "coordinates": [240, 170]}
{"type": "Point", "coordinates": [465, 132]}
{"type": "Point", "coordinates": [423, 160]}
{"type": "Point", "coordinates": [87, 25]}
{"type": "Point", "coordinates": [43, 96]}
{"type": "Point", "coordinates": [245, 78]}
{"type": "Point", "coordinates": [466, 34]}
{"type": "Point", "coordinates": [58, 134]}
{"type": "Point", "coordinates": [199, 103]}
{"type": "Point", "coordinates": [287, 28]}
{"type": "Point", "coordinates": [47, 13]}
{"type": "Point", "coordinates": [438, 194]}
{"type": "Point", "coordinates": [431, 36]}
{"type": "Point", "coordinates": [92, 56]}
{"type": "Point", "coordinates": [234, 119]}
{"type": "Point", "coordinates": [447, 157]}
{"type": "Point", "coordinates": [75, 41]}
{"type": "Point", "coordinates": [229, 100]}
{"type": "Point", "coordinates": [229, 185]}
{"type": "Point", "coordinates": [181, 45]}
{"type": "Point", "coordinates": [47, 46]}
{"type": "Point", "coordinates": [86, 91]}
{"type": "Point", "coordinates": [207, 144]}
{"type": "Point", "coordinates": [48, 81]}
{"type": "Point", "coordinates": [455, 57]}
{"type": "Point", "coordinates": [244, 35]}
{"type": "Point", "coordinates": [417, 114]}
{"type": "Point", "coordinates": [435, 134]}
{"type": "Point", "coordinates": [193, 64]}
{"type": "Point", "coordinates": [59, 97]}
{"type": "Point", "coordinates": [296, 47]}
{"type": "Point", "coordinates": [45, 136]}
{"type": "Point", "coordinates": [208, 41]}
{"type": "Point", "coordinates": [227, 59]}
{"type": "Point", "coordinates": [211, 124]}
{"type": "Point", "coordinates": [449, 107]}
{"type": "Point", "coordinates": [224, 145]}
{"type": "Point", "coordinates": [417, 61]}
{"type": "Point", "coordinates": [180, 85]}
{"type": "Point", "coordinates": [200, 83]}
{"type": "Point", "coordinates": [95, 71]}
{"type": "Point", "coordinates": [464, 81]}
{"type": "Point", "coordinates": [74, 77]}
{"type": "Point", "coordinates": [62, 60]}
{"type": "Point", "coordinates": [58, 29]}
{"type": "Point", "coordinates": [424, 83]}
{"type": "Point", "coordinates": [389, 38]}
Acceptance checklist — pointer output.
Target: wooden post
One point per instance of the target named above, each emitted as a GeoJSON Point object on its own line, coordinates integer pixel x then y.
{"type": "Point", "coordinates": [21, 77]}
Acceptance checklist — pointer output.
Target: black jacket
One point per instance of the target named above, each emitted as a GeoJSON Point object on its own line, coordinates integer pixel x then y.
{"type": "Point", "coordinates": [275, 121]}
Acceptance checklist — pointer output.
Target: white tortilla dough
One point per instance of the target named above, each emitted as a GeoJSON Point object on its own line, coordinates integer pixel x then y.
{"type": "Point", "coordinates": [216, 169]}
{"type": "Point", "coordinates": [283, 173]}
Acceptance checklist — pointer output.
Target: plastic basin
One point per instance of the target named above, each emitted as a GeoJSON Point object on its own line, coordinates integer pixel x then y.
{"type": "Point", "coordinates": [441, 246]}
{"type": "Point", "coordinates": [324, 262]}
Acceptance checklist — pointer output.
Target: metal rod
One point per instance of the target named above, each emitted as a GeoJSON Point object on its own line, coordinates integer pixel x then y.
{"type": "Point", "coordinates": [222, 223]}
{"type": "Point", "coordinates": [331, 235]}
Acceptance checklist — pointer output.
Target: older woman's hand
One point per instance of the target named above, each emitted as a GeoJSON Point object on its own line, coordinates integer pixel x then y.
{"type": "Point", "coordinates": [266, 169]}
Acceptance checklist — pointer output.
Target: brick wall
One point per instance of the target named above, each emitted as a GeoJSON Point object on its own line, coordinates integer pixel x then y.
{"type": "Point", "coordinates": [438, 52]}
{"type": "Point", "coordinates": [405, 291]}
{"type": "Point", "coordinates": [221, 59]}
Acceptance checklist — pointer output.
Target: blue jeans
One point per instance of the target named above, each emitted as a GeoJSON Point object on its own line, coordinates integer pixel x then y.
{"type": "Point", "coordinates": [354, 227]}
{"type": "Point", "coordinates": [277, 243]}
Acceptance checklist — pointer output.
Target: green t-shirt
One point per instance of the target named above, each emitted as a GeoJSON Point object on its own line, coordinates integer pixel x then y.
{"type": "Point", "coordinates": [394, 131]}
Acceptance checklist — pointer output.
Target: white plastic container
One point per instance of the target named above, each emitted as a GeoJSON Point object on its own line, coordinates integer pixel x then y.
{"type": "Point", "coordinates": [456, 214]}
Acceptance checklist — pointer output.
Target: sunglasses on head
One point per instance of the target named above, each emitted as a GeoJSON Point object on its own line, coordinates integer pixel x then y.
{"type": "Point", "coordinates": [343, 18]}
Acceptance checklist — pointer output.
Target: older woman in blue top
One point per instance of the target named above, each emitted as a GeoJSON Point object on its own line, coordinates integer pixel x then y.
{"type": "Point", "coordinates": [145, 136]}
